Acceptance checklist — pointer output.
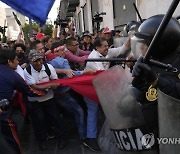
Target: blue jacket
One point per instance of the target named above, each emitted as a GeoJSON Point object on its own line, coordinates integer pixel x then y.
{"type": "Point", "coordinates": [10, 81]}
{"type": "Point", "coordinates": [61, 63]}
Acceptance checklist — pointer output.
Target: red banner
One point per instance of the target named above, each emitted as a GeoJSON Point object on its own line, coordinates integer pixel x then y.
{"type": "Point", "coordinates": [81, 84]}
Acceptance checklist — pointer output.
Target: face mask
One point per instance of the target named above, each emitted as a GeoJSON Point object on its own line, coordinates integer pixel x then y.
{"type": "Point", "coordinates": [20, 55]}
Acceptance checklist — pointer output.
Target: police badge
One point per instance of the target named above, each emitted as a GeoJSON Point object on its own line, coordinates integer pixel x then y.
{"type": "Point", "coordinates": [151, 94]}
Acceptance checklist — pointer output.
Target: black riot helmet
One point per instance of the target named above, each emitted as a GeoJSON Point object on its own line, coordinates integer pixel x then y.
{"type": "Point", "coordinates": [132, 26]}
{"type": "Point", "coordinates": [169, 40]}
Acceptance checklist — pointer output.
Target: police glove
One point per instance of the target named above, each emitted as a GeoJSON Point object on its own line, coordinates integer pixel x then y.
{"type": "Point", "coordinates": [143, 71]}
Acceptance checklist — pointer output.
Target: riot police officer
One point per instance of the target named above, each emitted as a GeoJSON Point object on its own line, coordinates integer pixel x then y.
{"type": "Point", "coordinates": [147, 78]}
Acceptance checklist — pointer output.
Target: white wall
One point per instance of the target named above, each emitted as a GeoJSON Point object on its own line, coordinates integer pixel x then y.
{"type": "Point", "coordinates": [2, 16]}
{"type": "Point", "coordinates": [88, 17]}
{"type": "Point", "coordinates": [13, 27]}
{"type": "Point", "coordinates": [107, 6]}
{"type": "Point", "coordinates": [148, 8]}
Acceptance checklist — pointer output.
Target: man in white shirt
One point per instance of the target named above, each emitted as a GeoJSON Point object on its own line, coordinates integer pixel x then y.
{"type": "Point", "coordinates": [20, 71]}
{"type": "Point", "coordinates": [101, 49]}
{"type": "Point", "coordinates": [43, 106]}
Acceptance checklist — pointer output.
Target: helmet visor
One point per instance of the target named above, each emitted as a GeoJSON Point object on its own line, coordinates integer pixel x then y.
{"type": "Point", "coordinates": [136, 46]}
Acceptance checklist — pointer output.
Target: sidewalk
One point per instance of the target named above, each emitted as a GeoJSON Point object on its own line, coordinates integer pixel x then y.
{"type": "Point", "coordinates": [30, 146]}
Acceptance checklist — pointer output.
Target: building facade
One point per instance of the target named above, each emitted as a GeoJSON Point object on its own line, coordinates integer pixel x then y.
{"type": "Point", "coordinates": [7, 19]}
{"type": "Point", "coordinates": [118, 12]}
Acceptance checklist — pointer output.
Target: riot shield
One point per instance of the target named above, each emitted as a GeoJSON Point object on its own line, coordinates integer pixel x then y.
{"type": "Point", "coordinates": [122, 111]}
{"type": "Point", "coordinates": [119, 41]}
{"type": "Point", "coordinates": [169, 124]}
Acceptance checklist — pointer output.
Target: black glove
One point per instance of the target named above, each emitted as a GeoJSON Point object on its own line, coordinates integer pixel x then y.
{"type": "Point", "coordinates": [141, 69]}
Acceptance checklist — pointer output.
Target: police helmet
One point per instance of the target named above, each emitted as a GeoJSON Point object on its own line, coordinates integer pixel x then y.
{"type": "Point", "coordinates": [132, 26]}
{"type": "Point", "coordinates": [169, 40]}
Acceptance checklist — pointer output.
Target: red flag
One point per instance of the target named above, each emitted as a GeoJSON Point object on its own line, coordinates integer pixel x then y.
{"type": "Point", "coordinates": [81, 84]}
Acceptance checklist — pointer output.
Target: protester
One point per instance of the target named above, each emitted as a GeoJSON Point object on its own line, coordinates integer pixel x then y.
{"type": "Point", "coordinates": [107, 34]}
{"type": "Point", "coordinates": [40, 36]}
{"type": "Point", "coordinates": [74, 55]}
{"type": "Point", "coordinates": [87, 41]}
{"type": "Point", "coordinates": [47, 43]}
{"type": "Point", "coordinates": [63, 35]}
{"type": "Point", "coordinates": [101, 49]}
{"type": "Point", "coordinates": [63, 96]}
{"type": "Point", "coordinates": [38, 45]}
{"type": "Point", "coordinates": [10, 81]}
{"type": "Point", "coordinates": [41, 106]}
{"type": "Point", "coordinates": [20, 50]}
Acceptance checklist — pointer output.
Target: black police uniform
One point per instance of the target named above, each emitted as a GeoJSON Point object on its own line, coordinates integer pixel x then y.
{"type": "Point", "coordinates": [168, 82]}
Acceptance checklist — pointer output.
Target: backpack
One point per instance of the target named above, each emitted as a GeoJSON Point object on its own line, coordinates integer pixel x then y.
{"type": "Point", "coordinates": [47, 70]}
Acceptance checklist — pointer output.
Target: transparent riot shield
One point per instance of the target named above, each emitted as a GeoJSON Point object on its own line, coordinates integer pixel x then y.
{"type": "Point", "coordinates": [123, 113]}
{"type": "Point", "coordinates": [169, 124]}
{"type": "Point", "coordinates": [119, 41]}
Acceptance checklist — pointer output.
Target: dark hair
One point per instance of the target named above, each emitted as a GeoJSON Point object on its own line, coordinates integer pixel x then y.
{"type": "Point", "coordinates": [86, 31]}
{"type": "Point", "coordinates": [57, 44]}
{"type": "Point", "coordinates": [19, 45]}
{"type": "Point", "coordinates": [34, 43]}
{"type": "Point", "coordinates": [5, 55]}
{"type": "Point", "coordinates": [63, 32]}
{"type": "Point", "coordinates": [98, 42]}
{"type": "Point", "coordinates": [70, 40]}
{"type": "Point", "coordinates": [46, 39]}
{"type": "Point", "coordinates": [117, 31]}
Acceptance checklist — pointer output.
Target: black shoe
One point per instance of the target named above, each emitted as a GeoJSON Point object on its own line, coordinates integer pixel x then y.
{"type": "Point", "coordinates": [50, 135]}
{"type": "Point", "coordinates": [61, 144]}
{"type": "Point", "coordinates": [43, 145]}
{"type": "Point", "coordinates": [92, 144]}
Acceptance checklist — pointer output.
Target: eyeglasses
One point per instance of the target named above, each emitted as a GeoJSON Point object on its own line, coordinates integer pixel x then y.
{"type": "Point", "coordinates": [19, 50]}
{"type": "Point", "coordinates": [75, 44]}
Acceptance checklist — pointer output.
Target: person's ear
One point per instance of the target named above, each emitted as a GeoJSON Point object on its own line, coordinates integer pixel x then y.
{"type": "Point", "coordinates": [9, 62]}
{"type": "Point", "coordinates": [97, 48]}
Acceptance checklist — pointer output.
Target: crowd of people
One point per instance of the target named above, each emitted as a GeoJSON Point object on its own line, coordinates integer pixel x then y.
{"type": "Point", "coordinates": [48, 58]}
